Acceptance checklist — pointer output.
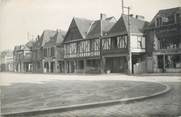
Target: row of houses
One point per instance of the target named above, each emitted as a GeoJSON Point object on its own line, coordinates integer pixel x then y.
{"type": "Point", "coordinates": [127, 45]}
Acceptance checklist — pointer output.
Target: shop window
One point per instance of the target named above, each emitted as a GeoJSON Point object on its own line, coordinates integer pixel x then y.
{"type": "Point", "coordinates": [173, 61]}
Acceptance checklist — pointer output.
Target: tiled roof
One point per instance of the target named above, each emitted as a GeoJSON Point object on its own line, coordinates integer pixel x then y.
{"type": "Point", "coordinates": [121, 27]}
{"type": "Point", "coordinates": [83, 25]}
{"type": "Point", "coordinates": [95, 28]}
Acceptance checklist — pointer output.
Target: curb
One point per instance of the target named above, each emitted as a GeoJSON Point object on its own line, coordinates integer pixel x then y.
{"type": "Point", "coordinates": [87, 105]}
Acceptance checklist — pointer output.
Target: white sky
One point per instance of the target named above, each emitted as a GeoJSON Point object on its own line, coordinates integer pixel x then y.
{"type": "Point", "coordinates": [18, 17]}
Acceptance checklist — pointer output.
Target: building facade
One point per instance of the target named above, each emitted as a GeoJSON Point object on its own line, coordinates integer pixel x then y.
{"type": "Point", "coordinates": [6, 61]}
{"type": "Point", "coordinates": [53, 53]}
{"type": "Point", "coordinates": [82, 44]}
{"type": "Point", "coordinates": [115, 48]}
{"type": "Point", "coordinates": [164, 41]}
{"type": "Point", "coordinates": [22, 57]}
{"type": "Point", "coordinates": [103, 45]}
{"type": "Point", "coordinates": [37, 55]}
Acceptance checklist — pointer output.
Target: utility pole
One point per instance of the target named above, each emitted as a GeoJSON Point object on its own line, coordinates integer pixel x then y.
{"type": "Point", "coordinates": [100, 39]}
{"type": "Point", "coordinates": [129, 57]}
{"type": "Point", "coordinates": [122, 6]}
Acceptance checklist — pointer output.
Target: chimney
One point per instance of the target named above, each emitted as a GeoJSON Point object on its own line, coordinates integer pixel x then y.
{"type": "Point", "coordinates": [140, 17]}
{"type": "Point", "coordinates": [102, 16]}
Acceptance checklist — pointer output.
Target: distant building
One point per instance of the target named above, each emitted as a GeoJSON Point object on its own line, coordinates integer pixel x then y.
{"type": "Point", "coordinates": [48, 52]}
{"type": "Point", "coordinates": [53, 53]}
{"type": "Point", "coordinates": [164, 41]}
{"type": "Point", "coordinates": [22, 57]}
{"type": "Point", "coordinates": [38, 51]}
{"type": "Point", "coordinates": [6, 61]}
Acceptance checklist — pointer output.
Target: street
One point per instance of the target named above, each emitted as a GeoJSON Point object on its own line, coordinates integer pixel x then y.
{"type": "Point", "coordinates": [25, 92]}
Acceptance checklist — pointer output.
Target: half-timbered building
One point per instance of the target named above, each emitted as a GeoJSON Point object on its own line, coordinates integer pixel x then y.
{"type": "Point", "coordinates": [82, 44]}
{"type": "Point", "coordinates": [115, 45]}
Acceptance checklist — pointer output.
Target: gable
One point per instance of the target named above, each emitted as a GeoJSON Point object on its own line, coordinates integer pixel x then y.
{"type": "Point", "coordinates": [118, 28]}
{"type": "Point", "coordinates": [96, 28]}
{"type": "Point", "coordinates": [73, 32]}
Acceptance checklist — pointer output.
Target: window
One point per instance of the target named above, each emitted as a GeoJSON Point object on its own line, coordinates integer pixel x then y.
{"type": "Point", "coordinates": [173, 61]}
{"type": "Point", "coordinates": [45, 52]}
{"type": "Point", "coordinates": [122, 42]}
{"type": "Point", "coordinates": [165, 20]}
{"type": "Point", "coordinates": [114, 43]}
{"type": "Point", "coordinates": [106, 44]}
{"type": "Point", "coordinates": [95, 44]}
{"type": "Point", "coordinates": [177, 18]}
{"type": "Point", "coordinates": [140, 42]}
{"type": "Point", "coordinates": [169, 43]}
{"type": "Point", "coordinates": [52, 51]}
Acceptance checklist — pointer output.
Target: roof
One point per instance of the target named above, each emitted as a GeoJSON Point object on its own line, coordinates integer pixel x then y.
{"type": "Point", "coordinates": [46, 36]}
{"type": "Point", "coordinates": [170, 11]}
{"type": "Point", "coordinates": [95, 28]}
{"type": "Point", "coordinates": [30, 44]}
{"type": "Point", "coordinates": [121, 26]}
{"type": "Point", "coordinates": [56, 39]}
{"type": "Point", "coordinates": [83, 25]}
{"type": "Point", "coordinates": [165, 12]}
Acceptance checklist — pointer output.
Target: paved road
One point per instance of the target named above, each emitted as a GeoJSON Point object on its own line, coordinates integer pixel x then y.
{"type": "Point", "coordinates": [166, 105]}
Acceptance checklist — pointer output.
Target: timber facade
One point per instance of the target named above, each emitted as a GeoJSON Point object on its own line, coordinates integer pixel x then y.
{"type": "Point", "coordinates": [82, 44]}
